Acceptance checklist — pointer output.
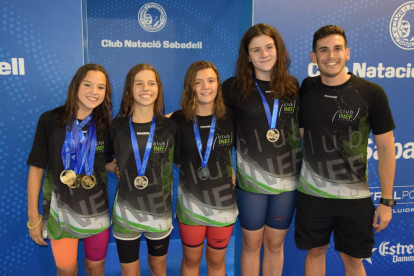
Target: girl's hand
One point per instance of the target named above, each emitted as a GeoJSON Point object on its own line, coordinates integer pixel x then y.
{"type": "Point", "coordinates": [36, 233]}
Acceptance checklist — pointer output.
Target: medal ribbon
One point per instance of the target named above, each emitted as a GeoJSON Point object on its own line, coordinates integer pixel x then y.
{"type": "Point", "coordinates": [74, 148]}
{"type": "Point", "coordinates": [271, 118]}
{"type": "Point", "coordinates": [141, 167]}
{"type": "Point", "coordinates": [209, 141]}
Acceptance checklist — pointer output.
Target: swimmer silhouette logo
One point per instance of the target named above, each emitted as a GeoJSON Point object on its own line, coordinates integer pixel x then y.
{"type": "Point", "coordinates": [152, 17]}
{"type": "Point", "coordinates": [400, 26]}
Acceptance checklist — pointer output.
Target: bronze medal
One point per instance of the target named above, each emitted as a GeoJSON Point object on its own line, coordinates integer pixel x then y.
{"type": "Point", "coordinates": [68, 177]}
{"type": "Point", "coordinates": [272, 135]}
{"type": "Point", "coordinates": [88, 181]}
{"type": "Point", "coordinates": [141, 182]}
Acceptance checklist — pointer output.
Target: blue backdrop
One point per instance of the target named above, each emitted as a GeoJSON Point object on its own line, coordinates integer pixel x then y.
{"type": "Point", "coordinates": [42, 46]}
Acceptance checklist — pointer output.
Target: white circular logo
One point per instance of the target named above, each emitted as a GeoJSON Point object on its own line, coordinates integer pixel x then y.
{"type": "Point", "coordinates": [400, 26]}
{"type": "Point", "coordinates": [152, 17]}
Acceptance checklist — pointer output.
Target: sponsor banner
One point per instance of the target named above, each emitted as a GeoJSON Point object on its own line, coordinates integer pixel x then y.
{"type": "Point", "coordinates": [169, 35]}
{"type": "Point", "coordinates": [380, 36]}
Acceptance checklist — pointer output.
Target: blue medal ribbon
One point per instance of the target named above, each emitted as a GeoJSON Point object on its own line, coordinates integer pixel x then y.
{"type": "Point", "coordinates": [78, 151]}
{"type": "Point", "coordinates": [271, 118]}
{"type": "Point", "coordinates": [209, 141]}
{"type": "Point", "coordinates": [141, 167]}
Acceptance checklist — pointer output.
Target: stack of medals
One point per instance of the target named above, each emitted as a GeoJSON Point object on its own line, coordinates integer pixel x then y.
{"type": "Point", "coordinates": [141, 181]}
{"type": "Point", "coordinates": [203, 172]}
{"type": "Point", "coordinates": [272, 134]}
{"type": "Point", "coordinates": [78, 152]}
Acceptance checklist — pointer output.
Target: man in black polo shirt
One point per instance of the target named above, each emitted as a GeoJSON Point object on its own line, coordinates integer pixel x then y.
{"type": "Point", "coordinates": [337, 112]}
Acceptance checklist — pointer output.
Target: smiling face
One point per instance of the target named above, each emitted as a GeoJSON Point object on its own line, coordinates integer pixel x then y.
{"type": "Point", "coordinates": [331, 54]}
{"type": "Point", "coordinates": [145, 89]}
{"type": "Point", "coordinates": [262, 54]}
{"type": "Point", "coordinates": [205, 85]}
{"type": "Point", "coordinates": [91, 92]}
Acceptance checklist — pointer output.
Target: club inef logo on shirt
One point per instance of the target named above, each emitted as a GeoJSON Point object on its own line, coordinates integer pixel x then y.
{"type": "Point", "coordinates": [100, 146]}
{"type": "Point", "coordinates": [224, 140]}
{"type": "Point", "coordinates": [288, 107]}
{"type": "Point", "coordinates": [159, 147]}
{"type": "Point", "coordinates": [345, 115]}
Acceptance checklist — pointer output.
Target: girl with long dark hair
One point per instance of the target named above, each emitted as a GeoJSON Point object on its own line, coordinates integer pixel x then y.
{"type": "Point", "coordinates": [264, 98]}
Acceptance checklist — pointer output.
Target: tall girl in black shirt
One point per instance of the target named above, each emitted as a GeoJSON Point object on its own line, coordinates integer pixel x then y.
{"type": "Point", "coordinates": [263, 96]}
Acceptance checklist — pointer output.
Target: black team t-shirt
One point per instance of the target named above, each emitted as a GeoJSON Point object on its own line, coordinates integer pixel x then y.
{"type": "Point", "coordinates": [265, 167]}
{"type": "Point", "coordinates": [337, 121]}
{"type": "Point", "coordinates": [209, 202]}
{"type": "Point", "coordinates": [68, 212]}
{"type": "Point", "coordinates": [149, 209]}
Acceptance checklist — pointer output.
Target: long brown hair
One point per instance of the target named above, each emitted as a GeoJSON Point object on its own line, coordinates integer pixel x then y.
{"type": "Point", "coordinates": [127, 102]}
{"type": "Point", "coordinates": [102, 113]}
{"type": "Point", "coordinates": [281, 83]}
{"type": "Point", "coordinates": [189, 99]}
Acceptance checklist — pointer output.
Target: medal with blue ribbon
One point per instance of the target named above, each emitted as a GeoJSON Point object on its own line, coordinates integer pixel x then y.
{"type": "Point", "coordinates": [203, 172]}
{"type": "Point", "coordinates": [78, 155]}
{"type": "Point", "coordinates": [272, 134]}
{"type": "Point", "coordinates": [141, 181]}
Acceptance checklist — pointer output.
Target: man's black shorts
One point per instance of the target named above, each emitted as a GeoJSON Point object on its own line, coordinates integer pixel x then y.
{"type": "Point", "coordinates": [350, 219]}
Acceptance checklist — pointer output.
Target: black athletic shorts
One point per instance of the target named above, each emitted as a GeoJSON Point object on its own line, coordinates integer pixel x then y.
{"type": "Point", "coordinates": [350, 219]}
{"type": "Point", "coordinates": [128, 250]}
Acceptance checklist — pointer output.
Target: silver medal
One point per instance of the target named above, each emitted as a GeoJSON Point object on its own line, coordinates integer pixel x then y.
{"type": "Point", "coordinates": [203, 173]}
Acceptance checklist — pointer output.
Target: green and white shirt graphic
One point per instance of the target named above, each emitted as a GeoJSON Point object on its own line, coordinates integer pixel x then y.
{"type": "Point", "coordinates": [265, 167]}
{"type": "Point", "coordinates": [149, 209]}
{"type": "Point", "coordinates": [68, 213]}
{"type": "Point", "coordinates": [209, 202]}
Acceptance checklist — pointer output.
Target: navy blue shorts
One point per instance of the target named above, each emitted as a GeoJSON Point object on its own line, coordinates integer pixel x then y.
{"type": "Point", "coordinates": [256, 210]}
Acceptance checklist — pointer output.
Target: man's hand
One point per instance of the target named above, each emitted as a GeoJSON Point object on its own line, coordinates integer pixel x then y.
{"type": "Point", "coordinates": [384, 214]}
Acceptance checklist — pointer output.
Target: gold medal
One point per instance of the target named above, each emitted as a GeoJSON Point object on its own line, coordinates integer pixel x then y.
{"type": "Point", "coordinates": [78, 180]}
{"type": "Point", "coordinates": [68, 177]}
{"type": "Point", "coordinates": [272, 135]}
{"type": "Point", "coordinates": [88, 181]}
{"type": "Point", "coordinates": [141, 182]}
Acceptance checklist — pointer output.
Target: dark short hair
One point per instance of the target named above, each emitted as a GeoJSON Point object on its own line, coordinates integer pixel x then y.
{"type": "Point", "coordinates": [327, 31]}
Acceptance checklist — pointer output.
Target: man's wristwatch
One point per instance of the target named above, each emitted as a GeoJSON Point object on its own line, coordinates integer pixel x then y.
{"type": "Point", "coordinates": [387, 202]}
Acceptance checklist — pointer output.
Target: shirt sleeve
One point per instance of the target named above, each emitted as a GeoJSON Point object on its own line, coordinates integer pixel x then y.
{"type": "Point", "coordinates": [380, 118]}
{"type": "Point", "coordinates": [39, 154]}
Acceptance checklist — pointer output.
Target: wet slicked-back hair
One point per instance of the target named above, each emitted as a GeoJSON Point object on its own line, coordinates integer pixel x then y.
{"type": "Point", "coordinates": [102, 113]}
{"type": "Point", "coordinates": [281, 83]}
{"type": "Point", "coordinates": [127, 102]}
{"type": "Point", "coordinates": [327, 31]}
{"type": "Point", "coordinates": [189, 98]}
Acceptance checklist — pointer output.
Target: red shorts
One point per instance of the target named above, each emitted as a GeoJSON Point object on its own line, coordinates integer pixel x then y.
{"type": "Point", "coordinates": [193, 236]}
